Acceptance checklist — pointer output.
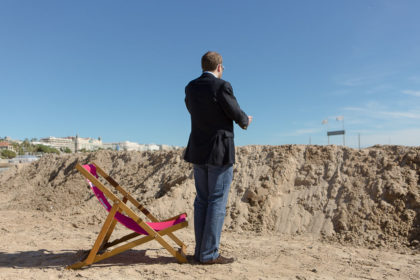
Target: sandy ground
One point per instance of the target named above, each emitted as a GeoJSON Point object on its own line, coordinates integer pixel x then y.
{"type": "Point", "coordinates": [294, 212]}
{"type": "Point", "coordinates": [38, 245]}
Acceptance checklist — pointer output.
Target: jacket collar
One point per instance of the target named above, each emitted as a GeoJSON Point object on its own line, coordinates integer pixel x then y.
{"type": "Point", "coordinates": [207, 74]}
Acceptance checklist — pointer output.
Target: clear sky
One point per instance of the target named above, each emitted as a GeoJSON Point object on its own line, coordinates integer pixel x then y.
{"type": "Point", "coordinates": [118, 69]}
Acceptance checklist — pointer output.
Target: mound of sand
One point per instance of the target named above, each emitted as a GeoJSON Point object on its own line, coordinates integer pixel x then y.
{"type": "Point", "coordinates": [368, 197]}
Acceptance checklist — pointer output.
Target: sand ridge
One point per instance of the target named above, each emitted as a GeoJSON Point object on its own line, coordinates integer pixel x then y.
{"type": "Point", "coordinates": [368, 197]}
{"type": "Point", "coordinates": [335, 195]}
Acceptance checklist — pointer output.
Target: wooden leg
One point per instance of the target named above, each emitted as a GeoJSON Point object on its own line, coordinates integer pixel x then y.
{"type": "Point", "coordinates": [170, 249]}
{"type": "Point", "coordinates": [108, 234]}
{"type": "Point", "coordinates": [102, 234]}
{"type": "Point", "coordinates": [176, 240]}
{"type": "Point", "coordinates": [111, 229]}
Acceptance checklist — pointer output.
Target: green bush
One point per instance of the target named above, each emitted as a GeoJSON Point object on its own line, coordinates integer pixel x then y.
{"type": "Point", "coordinates": [46, 149]}
{"type": "Point", "coordinates": [8, 154]}
{"type": "Point", "coordinates": [66, 150]}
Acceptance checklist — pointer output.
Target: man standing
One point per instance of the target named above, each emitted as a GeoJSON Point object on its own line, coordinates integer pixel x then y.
{"type": "Point", "coordinates": [213, 108]}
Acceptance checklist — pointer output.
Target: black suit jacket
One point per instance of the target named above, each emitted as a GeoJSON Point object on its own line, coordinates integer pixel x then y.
{"type": "Point", "coordinates": [213, 108]}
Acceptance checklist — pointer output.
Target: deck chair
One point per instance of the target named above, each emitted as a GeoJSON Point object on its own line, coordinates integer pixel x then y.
{"type": "Point", "coordinates": [120, 212]}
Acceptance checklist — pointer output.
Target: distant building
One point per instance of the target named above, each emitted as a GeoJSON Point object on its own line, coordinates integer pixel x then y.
{"type": "Point", "coordinates": [73, 143]}
{"type": "Point", "coordinates": [90, 144]}
{"type": "Point", "coordinates": [168, 148]}
{"type": "Point", "coordinates": [133, 146]}
{"type": "Point", "coordinates": [58, 143]}
{"type": "Point", "coordinates": [150, 147]}
{"type": "Point", "coordinates": [6, 146]}
{"type": "Point", "coordinates": [110, 146]}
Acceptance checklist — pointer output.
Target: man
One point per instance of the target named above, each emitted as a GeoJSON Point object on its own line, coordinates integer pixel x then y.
{"type": "Point", "coordinates": [213, 108]}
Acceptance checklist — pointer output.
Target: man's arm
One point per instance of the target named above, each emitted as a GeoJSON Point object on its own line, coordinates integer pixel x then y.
{"type": "Point", "coordinates": [186, 100]}
{"type": "Point", "coordinates": [231, 107]}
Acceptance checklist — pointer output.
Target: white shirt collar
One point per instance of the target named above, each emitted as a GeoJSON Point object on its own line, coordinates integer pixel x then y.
{"type": "Point", "coordinates": [210, 73]}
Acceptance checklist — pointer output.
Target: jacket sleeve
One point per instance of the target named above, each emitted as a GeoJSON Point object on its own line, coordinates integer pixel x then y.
{"type": "Point", "coordinates": [230, 105]}
{"type": "Point", "coordinates": [186, 100]}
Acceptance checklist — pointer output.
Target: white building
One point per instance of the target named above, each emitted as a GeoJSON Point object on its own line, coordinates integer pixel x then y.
{"type": "Point", "coordinates": [90, 144]}
{"type": "Point", "coordinates": [151, 147]}
{"type": "Point", "coordinates": [110, 146]}
{"type": "Point", "coordinates": [73, 143]}
{"type": "Point", "coordinates": [168, 148]}
{"type": "Point", "coordinates": [133, 146]}
{"type": "Point", "coordinates": [58, 143]}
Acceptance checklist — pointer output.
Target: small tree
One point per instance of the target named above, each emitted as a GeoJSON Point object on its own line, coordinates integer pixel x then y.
{"type": "Point", "coordinates": [66, 150]}
{"type": "Point", "coordinates": [46, 149]}
{"type": "Point", "coordinates": [26, 143]}
{"type": "Point", "coordinates": [8, 154]}
{"type": "Point", "coordinates": [18, 148]}
{"type": "Point", "coordinates": [25, 147]}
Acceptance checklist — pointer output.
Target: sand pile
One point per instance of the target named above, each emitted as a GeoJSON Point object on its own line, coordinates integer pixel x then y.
{"type": "Point", "coordinates": [369, 197]}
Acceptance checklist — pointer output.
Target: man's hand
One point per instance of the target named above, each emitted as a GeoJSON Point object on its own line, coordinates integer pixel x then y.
{"type": "Point", "coordinates": [249, 120]}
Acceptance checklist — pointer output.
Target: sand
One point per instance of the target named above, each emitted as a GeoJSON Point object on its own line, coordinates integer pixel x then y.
{"type": "Point", "coordinates": [294, 212]}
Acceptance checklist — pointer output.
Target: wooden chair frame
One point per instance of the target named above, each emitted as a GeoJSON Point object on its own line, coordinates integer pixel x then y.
{"type": "Point", "coordinates": [118, 205]}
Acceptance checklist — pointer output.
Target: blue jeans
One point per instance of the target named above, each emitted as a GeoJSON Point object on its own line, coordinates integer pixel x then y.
{"type": "Point", "coordinates": [212, 184]}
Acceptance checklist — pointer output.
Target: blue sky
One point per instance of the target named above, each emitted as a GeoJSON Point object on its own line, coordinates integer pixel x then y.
{"type": "Point", "coordinates": [118, 69]}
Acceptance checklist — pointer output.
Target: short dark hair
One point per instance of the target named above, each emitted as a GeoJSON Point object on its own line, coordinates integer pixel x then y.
{"type": "Point", "coordinates": [210, 60]}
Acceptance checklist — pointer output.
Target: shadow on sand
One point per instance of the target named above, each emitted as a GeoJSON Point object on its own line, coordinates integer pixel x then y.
{"type": "Point", "coordinates": [47, 259]}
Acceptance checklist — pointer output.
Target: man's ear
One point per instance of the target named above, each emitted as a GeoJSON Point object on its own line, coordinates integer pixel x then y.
{"type": "Point", "coordinates": [219, 69]}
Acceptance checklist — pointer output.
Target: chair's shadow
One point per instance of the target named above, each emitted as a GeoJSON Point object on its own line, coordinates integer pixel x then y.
{"type": "Point", "coordinates": [47, 259]}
